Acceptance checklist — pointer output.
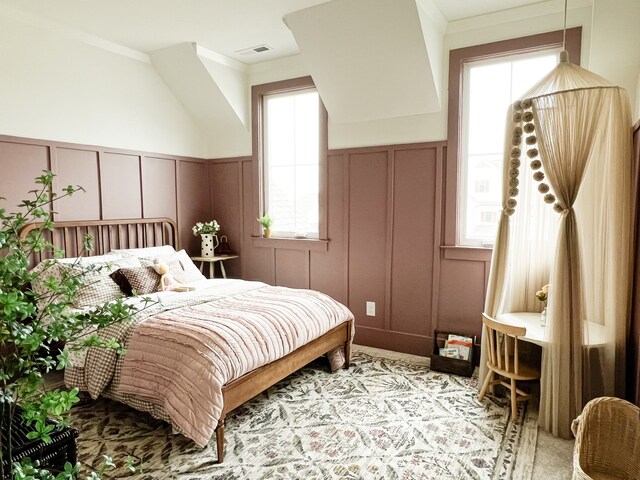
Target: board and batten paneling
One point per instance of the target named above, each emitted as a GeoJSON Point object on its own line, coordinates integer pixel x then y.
{"type": "Point", "coordinates": [75, 166]}
{"type": "Point", "coordinates": [121, 186]}
{"type": "Point", "coordinates": [368, 191]}
{"type": "Point", "coordinates": [159, 189]}
{"type": "Point", "coordinates": [226, 188]}
{"type": "Point", "coordinates": [257, 263]}
{"type": "Point", "coordinates": [384, 226]}
{"type": "Point", "coordinates": [20, 163]}
{"type": "Point", "coordinates": [118, 184]}
{"type": "Point", "coordinates": [384, 215]}
{"type": "Point", "coordinates": [193, 201]}
{"type": "Point", "coordinates": [414, 218]}
{"type": "Point", "coordinates": [327, 271]}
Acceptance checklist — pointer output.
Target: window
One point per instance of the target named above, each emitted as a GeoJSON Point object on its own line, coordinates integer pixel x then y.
{"type": "Point", "coordinates": [483, 81]}
{"type": "Point", "coordinates": [483, 186]}
{"type": "Point", "coordinates": [488, 217]}
{"type": "Point", "coordinates": [292, 162]}
{"type": "Point", "coordinates": [489, 87]}
{"type": "Point", "coordinates": [291, 157]}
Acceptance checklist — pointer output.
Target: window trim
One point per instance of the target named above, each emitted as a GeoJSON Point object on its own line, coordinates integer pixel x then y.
{"type": "Point", "coordinates": [457, 59]}
{"type": "Point", "coordinates": [258, 92]}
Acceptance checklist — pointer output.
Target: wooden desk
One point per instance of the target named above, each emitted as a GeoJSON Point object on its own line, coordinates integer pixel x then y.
{"type": "Point", "coordinates": [594, 334]}
{"type": "Point", "coordinates": [212, 260]}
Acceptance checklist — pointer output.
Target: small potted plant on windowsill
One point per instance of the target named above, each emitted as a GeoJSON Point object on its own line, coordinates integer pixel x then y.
{"type": "Point", "coordinates": [266, 221]}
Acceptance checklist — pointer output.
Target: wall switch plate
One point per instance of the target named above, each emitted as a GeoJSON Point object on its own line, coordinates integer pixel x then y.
{"type": "Point", "coordinates": [371, 309]}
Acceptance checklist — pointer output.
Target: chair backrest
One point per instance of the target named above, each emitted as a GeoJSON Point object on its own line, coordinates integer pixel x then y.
{"type": "Point", "coordinates": [500, 337]}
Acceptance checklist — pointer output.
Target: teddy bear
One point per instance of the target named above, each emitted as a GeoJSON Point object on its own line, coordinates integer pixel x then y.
{"type": "Point", "coordinates": [168, 283]}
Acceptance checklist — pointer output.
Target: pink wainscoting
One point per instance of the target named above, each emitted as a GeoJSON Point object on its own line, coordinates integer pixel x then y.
{"type": "Point", "coordinates": [118, 183]}
{"type": "Point", "coordinates": [385, 210]}
{"type": "Point", "coordinates": [193, 201]}
{"type": "Point", "coordinates": [19, 164]}
{"type": "Point", "coordinates": [75, 166]}
{"type": "Point", "coordinates": [121, 186]}
{"type": "Point", "coordinates": [327, 270]}
{"type": "Point", "coordinates": [384, 225]}
{"type": "Point", "coordinates": [368, 224]}
{"type": "Point", "coordinates": [159, 189]}
{"type": "Point", "coordinates": [226, 188]}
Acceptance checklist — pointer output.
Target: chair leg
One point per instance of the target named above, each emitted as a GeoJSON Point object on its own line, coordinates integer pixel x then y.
{"type": "Point", "coordinates": [485, 385]}
{"type": "Point", "coordinates": [514, 400]}
{"type": "Point", "coordinates": [220, 440]}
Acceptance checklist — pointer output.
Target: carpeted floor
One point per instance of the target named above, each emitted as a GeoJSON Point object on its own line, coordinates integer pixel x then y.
{"type": "Point", "coordinates": [387, 417]}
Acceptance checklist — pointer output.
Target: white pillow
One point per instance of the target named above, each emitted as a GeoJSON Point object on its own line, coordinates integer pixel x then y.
{"type": "Point", "coordinates": [146, 251]}
{"type": "Point", "coordinates": [191, 272]}
{"type": "Point", "coordinates": [106, 258]}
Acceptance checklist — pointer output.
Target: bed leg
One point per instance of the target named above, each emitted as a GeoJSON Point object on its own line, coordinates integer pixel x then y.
{"type": "Point", "coordinates": [347, 346]}
{"type": "Point", "coordinates": [220, 440]}
{"type": "Point", "coordinates": [347, 355]}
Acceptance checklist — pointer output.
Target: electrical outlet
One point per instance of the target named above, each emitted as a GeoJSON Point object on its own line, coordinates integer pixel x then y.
{"type": "Point", "coordinates": [371, 309]}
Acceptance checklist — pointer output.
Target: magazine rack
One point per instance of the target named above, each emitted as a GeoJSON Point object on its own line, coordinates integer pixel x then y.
{"type": "Point", "coordinates": [451, 365]}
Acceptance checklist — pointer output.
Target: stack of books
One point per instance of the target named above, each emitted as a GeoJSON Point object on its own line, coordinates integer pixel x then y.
{"type": "Point", "coordinates": [458, 347]}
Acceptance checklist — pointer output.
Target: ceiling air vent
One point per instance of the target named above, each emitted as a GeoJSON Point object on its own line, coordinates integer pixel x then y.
{"type": "Point", "coordinates": [254, 50]}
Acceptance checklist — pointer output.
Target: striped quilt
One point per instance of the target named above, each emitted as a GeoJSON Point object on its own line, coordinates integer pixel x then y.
{"type": "Point", "coordinates": [179, 359]}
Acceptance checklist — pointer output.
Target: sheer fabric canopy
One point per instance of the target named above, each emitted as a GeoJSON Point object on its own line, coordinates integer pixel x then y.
{"type": "Point", "coordinates": [566, 221]}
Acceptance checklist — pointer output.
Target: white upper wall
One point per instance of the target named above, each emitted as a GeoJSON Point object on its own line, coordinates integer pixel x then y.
{"type": "Point", "coordinates": [615, 39]}
{"type": "Point", "coordinates": [66, 87]}
{"type": "Point", "coordinates": [472, 31]}
{"type": "Point", "coordinates": [54, 86]}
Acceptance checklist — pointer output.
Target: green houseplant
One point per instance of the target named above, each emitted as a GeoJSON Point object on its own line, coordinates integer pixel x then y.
{"type": "Point", "coordinates": [266, 221]}
{"type": "Point", "coordinates": [31, 322]}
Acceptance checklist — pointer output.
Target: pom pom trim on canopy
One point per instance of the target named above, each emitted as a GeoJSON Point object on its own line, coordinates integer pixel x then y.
{"type": "Point", "coordinates": [565, 77]}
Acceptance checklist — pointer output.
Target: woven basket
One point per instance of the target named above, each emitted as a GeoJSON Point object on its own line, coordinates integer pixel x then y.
{"type": "Point", "coordinates": [607, 440]}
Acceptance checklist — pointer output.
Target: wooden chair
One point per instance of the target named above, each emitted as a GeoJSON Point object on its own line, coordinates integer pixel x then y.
{"type": "Point", "coordinates": [505, 366]}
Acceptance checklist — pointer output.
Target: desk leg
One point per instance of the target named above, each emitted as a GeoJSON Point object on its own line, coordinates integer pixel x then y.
{"type": "Point", "coordinates": [212, 270]}
{"type": "Point", "coordinates": [224, 274]}
{"type": "Point", "coordinates": [201, 267]}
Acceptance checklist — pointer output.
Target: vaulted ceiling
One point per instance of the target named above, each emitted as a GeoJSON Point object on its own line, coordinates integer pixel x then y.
{"type": "Point", "coordinates": [370, 59]}
{"type": "Point", "coordinates": [223, 26]}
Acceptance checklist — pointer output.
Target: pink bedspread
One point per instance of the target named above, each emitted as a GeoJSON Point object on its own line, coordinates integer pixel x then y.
{"type": "Point", "coordinates": [180, 359]}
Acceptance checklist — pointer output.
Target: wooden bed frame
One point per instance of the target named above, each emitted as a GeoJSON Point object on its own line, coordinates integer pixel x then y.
{"type": "Point", "coordinates": [150, 232]}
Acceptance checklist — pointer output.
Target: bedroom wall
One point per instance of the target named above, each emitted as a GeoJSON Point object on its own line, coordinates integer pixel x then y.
{"type": "Point", "coordinates": [118, 183]}
{"type": "Point", "coordinates": [65, 85]}
{"type": "Point", "coordinates": [384, 228]}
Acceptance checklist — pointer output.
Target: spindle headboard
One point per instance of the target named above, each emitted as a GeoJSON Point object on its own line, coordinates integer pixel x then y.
{"type": "Point", "coordinates": [107, 234]}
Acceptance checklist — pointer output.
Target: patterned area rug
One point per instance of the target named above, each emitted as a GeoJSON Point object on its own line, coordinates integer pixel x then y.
{"type": "Point", "coordinates": [384, 418]}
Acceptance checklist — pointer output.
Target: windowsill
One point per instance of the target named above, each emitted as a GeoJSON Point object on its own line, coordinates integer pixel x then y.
{"type": "Point", "coordinates": [457, 252]}
{"type": "Point", "coordinates": [312, 244]}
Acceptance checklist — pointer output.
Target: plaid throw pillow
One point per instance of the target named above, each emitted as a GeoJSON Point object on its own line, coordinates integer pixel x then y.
{"type": "Point", "coordinates": [142, 280]}
{"type": "Point", "coordinates": [97, 287]}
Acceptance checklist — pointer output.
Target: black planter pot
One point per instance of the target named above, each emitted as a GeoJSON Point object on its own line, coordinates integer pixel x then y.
{"type": "Point", "coordinates": [51, 456]}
